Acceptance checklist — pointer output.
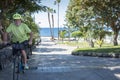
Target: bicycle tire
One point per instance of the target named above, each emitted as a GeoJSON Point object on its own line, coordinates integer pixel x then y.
{"type": "Point", "coordinates": [15, 69]}
{"type": "Point", "coordinates": [18, 67]}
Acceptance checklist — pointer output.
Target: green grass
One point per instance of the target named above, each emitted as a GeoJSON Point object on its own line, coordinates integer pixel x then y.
{"type": "Point", "coordinates": [83, 44]}
{"type": "Point", "coordinates": [84, 47]}
{"type": "Point", "coordinates": [74, 43]}
{"type": "Point", "coordinates": [115, 49]}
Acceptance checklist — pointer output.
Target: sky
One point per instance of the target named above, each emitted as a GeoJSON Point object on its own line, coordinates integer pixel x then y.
{"type": "Point", "coordinates": [41, 18]}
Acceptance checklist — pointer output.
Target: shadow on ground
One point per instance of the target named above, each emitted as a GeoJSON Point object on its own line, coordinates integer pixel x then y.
{"type": "Point", "coordinates": [47, 44]}
{"type": "Point", "coordinates": [46, 50]}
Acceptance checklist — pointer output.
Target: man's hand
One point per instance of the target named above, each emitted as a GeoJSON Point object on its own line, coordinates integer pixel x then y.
{"type": "Point", "coordinates": [30, 42]}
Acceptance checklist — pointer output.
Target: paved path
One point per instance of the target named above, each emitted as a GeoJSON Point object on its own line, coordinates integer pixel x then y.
{"type": "Point", "coordinates": [51, 61]}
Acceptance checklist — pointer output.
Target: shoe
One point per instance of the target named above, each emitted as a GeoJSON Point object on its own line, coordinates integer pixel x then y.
{"type": "Point", "coordinates": [26, 66]}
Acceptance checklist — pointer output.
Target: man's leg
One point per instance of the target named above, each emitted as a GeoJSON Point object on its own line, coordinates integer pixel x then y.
{"type": "Point", "coordinates": [25, 58]}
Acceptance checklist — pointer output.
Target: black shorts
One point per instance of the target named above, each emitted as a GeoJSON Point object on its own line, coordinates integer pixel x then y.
{"type": "Point", "coordinates": [19, 46]}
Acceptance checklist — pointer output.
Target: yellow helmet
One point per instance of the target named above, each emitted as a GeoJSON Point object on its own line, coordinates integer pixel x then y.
{"type": "Point", "coordinates": [17, 16]}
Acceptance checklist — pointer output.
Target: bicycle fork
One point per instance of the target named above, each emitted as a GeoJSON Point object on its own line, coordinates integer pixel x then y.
{"type": "Point", "coordinates": [15, 69]}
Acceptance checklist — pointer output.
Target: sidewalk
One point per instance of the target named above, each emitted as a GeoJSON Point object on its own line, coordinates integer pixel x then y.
{"type": "Point", "coordinates": [52, 61]}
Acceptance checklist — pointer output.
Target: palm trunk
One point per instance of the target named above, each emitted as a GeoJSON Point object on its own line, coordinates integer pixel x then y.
{"type": "Point", "coordinates": [50, 25]}
{"type": "Point", "coordinates": [69, 33]}
{"type": "Point", "coordinates": [53, 26]}
{"type": "Point", "coordinates": [58, 22]}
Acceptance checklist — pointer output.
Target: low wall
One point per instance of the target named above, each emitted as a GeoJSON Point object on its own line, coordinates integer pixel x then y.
{"type": "Point", "coordinates": [5, 57]}
{"type": "Point", "coordinates": [6, 54]}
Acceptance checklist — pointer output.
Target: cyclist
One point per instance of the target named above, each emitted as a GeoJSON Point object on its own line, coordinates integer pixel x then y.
{"type": "Point", "coordinates": [19, 36]}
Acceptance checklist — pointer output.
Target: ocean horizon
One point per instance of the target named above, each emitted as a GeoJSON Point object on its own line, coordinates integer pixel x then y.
{"type": "Point", "coordinates": [45, 32]}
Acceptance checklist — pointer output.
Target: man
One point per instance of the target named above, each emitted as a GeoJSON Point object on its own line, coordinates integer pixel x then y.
{"type": "Point", "coordinates": [19, 35]}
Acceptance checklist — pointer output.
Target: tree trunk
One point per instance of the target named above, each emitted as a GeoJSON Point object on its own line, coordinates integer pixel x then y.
{"type": "Point", "coordinates": [115, 38]}
{"type": "Point", "coordinates": [50, 25]}
{"type": "Point", "coordinates": [116, 31]}
{"type": "Point", "coordinates": [91, 43]}
{"type": "Point", "coordinates": [69, 33]}
{"type": "Point", "coordinates": [53, 26]}
{"type": "Point", "coordinates": [58, 22]}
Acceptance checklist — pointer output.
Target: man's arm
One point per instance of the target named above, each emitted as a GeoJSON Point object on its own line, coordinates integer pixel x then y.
{"type": "Point", "coordinates": [31, 38]}
{"type": "Point", "coordinates": [5, 38]}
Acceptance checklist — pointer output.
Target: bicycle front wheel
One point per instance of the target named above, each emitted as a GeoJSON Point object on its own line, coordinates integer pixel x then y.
{"type": "Point", "coordinates": [15, 69]}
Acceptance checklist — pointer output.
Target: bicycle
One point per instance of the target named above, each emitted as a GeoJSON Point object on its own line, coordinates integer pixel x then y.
{"type": "Point", "coordinates": [17, 65]}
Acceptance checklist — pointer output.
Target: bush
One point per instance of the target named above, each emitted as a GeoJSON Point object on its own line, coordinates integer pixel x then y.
{"type": "Point", "coordinates": [98, 52]}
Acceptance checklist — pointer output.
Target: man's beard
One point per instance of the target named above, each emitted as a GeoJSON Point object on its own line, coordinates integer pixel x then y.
{"type": "Point", "coordinates": [17, 24]}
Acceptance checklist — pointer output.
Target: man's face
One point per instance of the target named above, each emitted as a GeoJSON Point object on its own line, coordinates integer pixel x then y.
{"type": "Point", "coordinates": [17, 22]}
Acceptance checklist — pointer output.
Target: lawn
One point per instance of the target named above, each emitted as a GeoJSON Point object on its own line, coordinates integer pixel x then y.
{"type": "Point", "coordinates": [115, 49]}
{"type": "Point", "coordinates": [83, 48]}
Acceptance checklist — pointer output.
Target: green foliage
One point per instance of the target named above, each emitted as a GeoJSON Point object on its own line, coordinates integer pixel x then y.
{"type": "Point", "coordinates": [62, 33]}
{"type": "Point", "coordinates": [77, 34]}
{"type": "Point", "coordinates": [80, 18]}
{"type": "Point", "coordinates": [99, 42]}
{"type": "Point", "coordinates": [94, 15]}
{"type": "Point", "coordinates": [100, 33]}
{"type": "Point", "coordinates": [106, 13]}
{"type": "Point", "coordinates": [57, 2]}
{"type": "Point", "coordinates": [9, 7]}
{"type": "Point", "coordinates": [21, 6]}
{"type": "Point", "coordinates": [72, 15]}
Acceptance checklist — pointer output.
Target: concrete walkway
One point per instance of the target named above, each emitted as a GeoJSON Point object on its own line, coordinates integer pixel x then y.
{"type": "Point", "coordinates": [52, 61]}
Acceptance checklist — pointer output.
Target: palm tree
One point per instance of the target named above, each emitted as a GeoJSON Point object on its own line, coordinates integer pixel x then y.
{"type": "Point", "coordinates": [58, 2]}
{"type": "Point", "coordinates": [49, 10]}
{"type": "Point", "coordinates": [53, 11]}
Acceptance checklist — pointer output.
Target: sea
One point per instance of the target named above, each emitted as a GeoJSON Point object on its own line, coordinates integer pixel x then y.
{"type": "Point", "coordinates": [45, 32]}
